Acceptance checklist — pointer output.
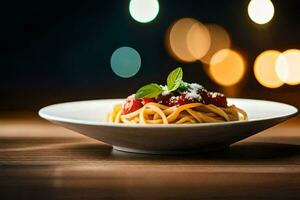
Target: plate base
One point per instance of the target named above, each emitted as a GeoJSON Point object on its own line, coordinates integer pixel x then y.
{"type": "Point", "coordinates": [202, 150]}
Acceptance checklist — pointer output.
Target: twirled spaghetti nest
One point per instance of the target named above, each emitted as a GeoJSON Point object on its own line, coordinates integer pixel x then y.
{"type": "Point", "coordinates": [155, 113]}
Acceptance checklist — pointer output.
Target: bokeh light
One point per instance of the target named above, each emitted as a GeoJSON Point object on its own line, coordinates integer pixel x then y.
{"type": "Point", "coordinates": [176, 39]}
{"type": "Point", "coordinates": [143, 10]}
{"type": "Point", "coordinates": [264, 69]}
{"type": "Point", "coordinates": [227, 67]}
{"type": "Point", "coordinates": [261, 11]}
{"type": "Point", "coordinates": [125, 62]}
{"type": "Point", "coordinates": [220, 39]}
{"type": "Point", "coordinates": [288, 66]}
{"type": "Point", "coordinates": [198, 40]}
{"type": "Point", "coordinates": [187, 40]}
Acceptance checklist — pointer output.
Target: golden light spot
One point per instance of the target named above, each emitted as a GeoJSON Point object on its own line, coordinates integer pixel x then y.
{"type": "Point", "coordinates": [176, 39]}
{"type": "Point", "coordinates": [288, 67]}
{"type": "Point", "coordinates": [220, 39]}
{"type": "Point", "coordinates": [227, 67]}
{"type": "Point", "coordinates": [187, 40]}
{"type": "Point", "coordinates": [261, 11]}
{"type": "Point", "coordinates": [198, 40]}
{"type": "Point", "coordinates": [264, 69]}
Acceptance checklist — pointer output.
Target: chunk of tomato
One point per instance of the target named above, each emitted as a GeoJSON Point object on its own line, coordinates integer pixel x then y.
{"type": "Point", "coordinates": [147, 100]}
{"type": "Point", "coordinates": [130, 105]}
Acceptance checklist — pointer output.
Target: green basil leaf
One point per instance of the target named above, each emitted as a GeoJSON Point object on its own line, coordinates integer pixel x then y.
{"type": "Point", "coordinates": [174, 79]}
{"type": "Point", "coordinates": [149, 91]}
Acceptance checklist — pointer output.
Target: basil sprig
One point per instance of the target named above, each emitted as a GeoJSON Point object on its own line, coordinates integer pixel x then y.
{"type": "Point", "coordinates": [149, 91]}
{"type": "Point", "coordinates": [174, 79]}
{"type": "Point", "coordinates": [153, 90]}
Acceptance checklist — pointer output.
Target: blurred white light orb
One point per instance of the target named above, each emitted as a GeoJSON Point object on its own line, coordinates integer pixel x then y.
{"type": "Point", "coordinates": [261, 11]}
{"type": "Point", "coordinates": [143, 11]}
{"type": "Point", "coordinates": [287, 66]}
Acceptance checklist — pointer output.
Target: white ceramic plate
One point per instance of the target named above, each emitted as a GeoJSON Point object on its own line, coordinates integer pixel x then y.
{"type": "Point", "coordinates": [88, 118]}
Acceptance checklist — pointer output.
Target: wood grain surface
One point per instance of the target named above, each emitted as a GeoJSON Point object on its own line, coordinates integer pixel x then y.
{"type": "Point", "coordinates": [39, 160]}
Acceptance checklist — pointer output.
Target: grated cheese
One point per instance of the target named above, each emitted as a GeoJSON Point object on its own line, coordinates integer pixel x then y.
{"type": "Point", "coordinates": [193, 92]}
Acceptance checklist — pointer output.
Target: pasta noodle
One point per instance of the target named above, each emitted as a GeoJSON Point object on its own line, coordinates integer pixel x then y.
{"type": "Point", "coordinates": [178, 102]}
{"type": "Point", "coordinates": [156, 113]}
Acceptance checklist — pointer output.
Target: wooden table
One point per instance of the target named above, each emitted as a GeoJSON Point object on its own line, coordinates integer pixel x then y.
{"type": "Point", "coordinates": [41, 161]}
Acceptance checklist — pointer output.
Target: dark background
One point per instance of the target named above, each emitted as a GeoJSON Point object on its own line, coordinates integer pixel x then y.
{"type": "Point", "coordinates": [54, 51]}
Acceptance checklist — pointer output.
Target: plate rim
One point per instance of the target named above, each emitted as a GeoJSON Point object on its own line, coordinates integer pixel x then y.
{"type": "Point", "coordinates": [120, 125]}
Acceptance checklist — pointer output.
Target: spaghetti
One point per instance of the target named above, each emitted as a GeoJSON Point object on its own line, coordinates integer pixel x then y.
{"type": "Point", "coordinates": [178, 102]}
{"type": "Point", "coordinates": [155, 113]}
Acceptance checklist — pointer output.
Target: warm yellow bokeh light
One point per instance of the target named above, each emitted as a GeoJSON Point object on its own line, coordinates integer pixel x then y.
{"type": "Point", "coordinates": [176, 39]}
{"type": "Point", "coordinates": [220, 39]}
{"type": "Point", "coordinates": [264, 69]}
{"type": "Point", "coordinates": [227, 67]}
{"type": "Point", "coordinates": [198, 40]}
{"type": "Point", "coordinates": [187, 40]}
{"type": "Point", "coordinates": [288, 67]}
{"type": "Point", "coordinates": [261, 11]}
